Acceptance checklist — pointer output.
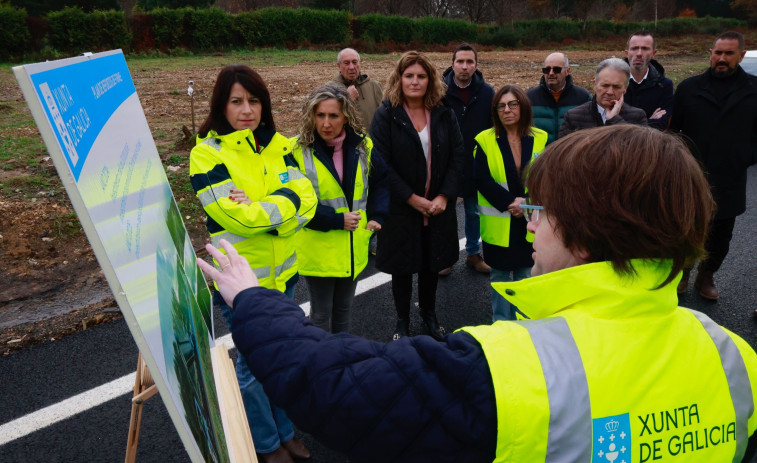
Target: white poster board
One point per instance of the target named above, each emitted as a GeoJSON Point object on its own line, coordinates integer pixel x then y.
{"type": "Point", "coordinates": [92, 123]}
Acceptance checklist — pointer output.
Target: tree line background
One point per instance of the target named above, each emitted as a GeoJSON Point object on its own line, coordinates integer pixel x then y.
{"type": "Point", "coordinates": [479, 11]}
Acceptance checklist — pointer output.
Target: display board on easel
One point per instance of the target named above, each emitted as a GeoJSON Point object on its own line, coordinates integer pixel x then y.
{"type": "Point", "coordinates": [93, 125]}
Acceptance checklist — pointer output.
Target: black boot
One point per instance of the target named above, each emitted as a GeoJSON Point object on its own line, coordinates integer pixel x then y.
{"type": "Point", "coordinates": [434, 330]}
{"type": "Point", "coordinates": [402, 330]}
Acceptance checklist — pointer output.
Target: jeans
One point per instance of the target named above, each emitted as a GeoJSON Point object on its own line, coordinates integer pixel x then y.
{"type": "Point", "coordinates": [472, 225]}
{"type": "Point", "coordinates": [501, 308]}
{"type": "Point", "coordinates": [330, 301]}
{"type": "Point", "coordinates": [269, 425]}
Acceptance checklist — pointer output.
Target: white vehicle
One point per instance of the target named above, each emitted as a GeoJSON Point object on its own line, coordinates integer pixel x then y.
{"type": "Point", "coordinates": [749, 63]}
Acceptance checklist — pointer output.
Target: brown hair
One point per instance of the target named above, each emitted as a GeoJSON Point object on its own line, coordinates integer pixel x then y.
{"type": "Point", "coordinates": [252, 82]}
{"type": "Point", "coordinates": [625, 192]}
{"type": "Point", "coordinates": [330, 90]}
{"type": "Point", "coordinates": [526, 113]}
{"type": "Point", "coordinates": [435, 90]}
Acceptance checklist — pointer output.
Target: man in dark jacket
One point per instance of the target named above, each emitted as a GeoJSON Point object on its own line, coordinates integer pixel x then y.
{"type": "Point", "coordinates": [471, 99]}
{"type": "Point", "coordinates": [607, 107]}
{"type": "Point", "coordinates": [717, 110]}
{"type": "Point", "coordinates": [648, 89]}
{"type": "Point", "coordinates": [555, 95]}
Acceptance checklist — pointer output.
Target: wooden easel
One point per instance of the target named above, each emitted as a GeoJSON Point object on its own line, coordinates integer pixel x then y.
{"type": "Point", "coordinates": [144, 388]}
{"type": "Point", "coordinates": [235, 426]}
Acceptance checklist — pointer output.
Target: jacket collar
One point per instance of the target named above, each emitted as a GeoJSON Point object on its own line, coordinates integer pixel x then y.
{"type": "Point", "coordinates": [655, 76]}
{"type": "Point", "coordinates": [476, 81]}
{"type": "Point", "coordinates": [361, 79]}
{"type": "Point", "coordinates": [595, 287]}
{"type": "Point", "coordinates": [236, 140]}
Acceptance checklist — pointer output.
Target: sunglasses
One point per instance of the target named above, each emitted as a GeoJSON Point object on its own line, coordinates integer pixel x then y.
{"type": "Point", "coordinates": [556, 69]}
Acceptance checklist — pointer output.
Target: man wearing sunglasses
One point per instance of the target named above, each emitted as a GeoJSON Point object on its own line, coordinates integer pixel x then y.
{"type": "Point", "coordinates": [555, 95]}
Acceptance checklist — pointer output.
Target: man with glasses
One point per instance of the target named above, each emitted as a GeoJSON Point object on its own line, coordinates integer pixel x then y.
{"type": "Point", "coordinates": [471, 99]}
{"type": "Point", "coordinates": [607, 107]}
{"type": "Point", "coordinates": [555, 95]}
{"type": "Point", "coordinates": [717, 110]}
{"type": "Point", "coordinates": [648, 89]}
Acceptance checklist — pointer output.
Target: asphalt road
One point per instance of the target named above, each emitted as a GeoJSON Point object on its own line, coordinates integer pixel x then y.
{"type": "Point", "coordinates": [57, 378]}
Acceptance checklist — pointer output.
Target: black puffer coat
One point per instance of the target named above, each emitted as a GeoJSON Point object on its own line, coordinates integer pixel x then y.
{"type": "Point", "coordinates": [399, 242]}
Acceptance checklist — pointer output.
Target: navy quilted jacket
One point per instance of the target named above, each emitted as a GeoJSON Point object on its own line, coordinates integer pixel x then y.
{"type": "Point", "coordinates": [412, 400]}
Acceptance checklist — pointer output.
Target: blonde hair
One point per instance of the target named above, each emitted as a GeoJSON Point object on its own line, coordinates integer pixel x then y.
{"type": "Point", "coordinates": [319, 95]}
{"type": "Point", "coordinates": [435, 90]}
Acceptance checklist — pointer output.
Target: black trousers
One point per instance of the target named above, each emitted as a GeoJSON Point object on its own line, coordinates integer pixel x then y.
{"type": "Point", "coordinates": [402, 285]}
{"type": "Point", "coordinates": [718, 243]}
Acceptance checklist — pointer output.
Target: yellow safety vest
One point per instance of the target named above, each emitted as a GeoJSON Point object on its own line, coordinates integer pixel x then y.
{"type": "Point", "coordinates": [283, 200]}
{"type": "Point", "coordinates": [335, 252]}
{"type": "Point", "coordinates": [609, 369]}
{"type": "Point", "coordinates": [495, 224]}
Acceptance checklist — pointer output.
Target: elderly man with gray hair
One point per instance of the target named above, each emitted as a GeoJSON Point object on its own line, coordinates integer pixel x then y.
{"type": "Point", "coordinates": [606, 107]}
{"type": "Point", "coordinates": [366, 93]}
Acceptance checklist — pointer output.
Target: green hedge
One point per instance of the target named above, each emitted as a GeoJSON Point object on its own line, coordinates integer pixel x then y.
{"type": "Point", "coordinates": [72, 31]}
{"type": "Point", "coordinates": [207, 29]}
{"type": "Point", "coordinates": [168, 26]}
{"type": "Point", "coordinates": [440, 30]}
{"type": "Point", "coordinates": [380, 28]}
{"type": "Point", "coordinates": [14, 35]}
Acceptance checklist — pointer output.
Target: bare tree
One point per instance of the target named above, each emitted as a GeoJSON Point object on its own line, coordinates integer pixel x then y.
{"type": "Point", "coordinates": [433, 8]}
{"type": "Point", "coordinates": [508, 10]}
{"type": "Point", "coordinates": [476, 11]}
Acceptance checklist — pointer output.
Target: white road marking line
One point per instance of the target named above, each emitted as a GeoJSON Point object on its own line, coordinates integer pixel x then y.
{"type": "Point", "coordinates": [34, 421]}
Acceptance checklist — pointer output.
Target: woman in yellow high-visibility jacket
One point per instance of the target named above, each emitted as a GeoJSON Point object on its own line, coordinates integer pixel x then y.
{"type": "Point", "coordinates": [349, 178]}
{"type": "Point", "coordinates": [254, 196]}
{"type": "Point", "coordinates": [501, 156]}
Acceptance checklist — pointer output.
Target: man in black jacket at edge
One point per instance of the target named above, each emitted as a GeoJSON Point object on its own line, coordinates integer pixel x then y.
{"type": "Point", "coordinates": [717, 111]}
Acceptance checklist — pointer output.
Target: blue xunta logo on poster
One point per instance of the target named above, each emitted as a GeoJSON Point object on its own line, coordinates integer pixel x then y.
{"type": "Point", "coordinates": [612, 439]}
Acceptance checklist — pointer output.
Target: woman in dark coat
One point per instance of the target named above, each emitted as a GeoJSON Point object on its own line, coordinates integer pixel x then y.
{"type": "Point", "coordinates": [420, 141]}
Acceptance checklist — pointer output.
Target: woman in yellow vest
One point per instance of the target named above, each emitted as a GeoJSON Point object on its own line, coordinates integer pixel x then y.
{"type": "Point", "coordinates": [607, 367]}
{"type": "Point", "coordinates": [349, 179]}
{"type": "Point", "coordinates": [255, 197]}
{"type": "Point", "coordinates": [501, 156]}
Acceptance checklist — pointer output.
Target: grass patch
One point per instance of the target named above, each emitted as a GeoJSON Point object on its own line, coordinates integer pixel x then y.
{"type": "Point", "coordinates": [24, 182]}
{"type": "Point", "coordinates": [65, 225]}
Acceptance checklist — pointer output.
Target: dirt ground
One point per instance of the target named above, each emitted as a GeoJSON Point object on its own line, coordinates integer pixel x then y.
{"type": "Point", "coordinates": [53, 284]}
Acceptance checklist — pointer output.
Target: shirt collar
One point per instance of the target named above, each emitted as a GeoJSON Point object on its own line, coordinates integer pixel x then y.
{"type": "Point", "coordinates": [643, 78]}
{"type": "Point", "coordinates": [602, 112]}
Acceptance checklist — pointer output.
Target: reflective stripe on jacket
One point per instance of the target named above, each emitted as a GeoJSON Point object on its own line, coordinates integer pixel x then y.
{"type": "Point", "coordinates": [608, 366]}
{"type": "Point", "coordinates": [335, 253]}
{"type": "Point", "coordinates": [495, 224]}
{"type": "Point", "coordinates": [282, 198]}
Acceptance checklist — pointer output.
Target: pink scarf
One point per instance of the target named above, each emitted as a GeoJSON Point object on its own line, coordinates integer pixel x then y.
{"type": "Point", "coordinates": [338, 157]}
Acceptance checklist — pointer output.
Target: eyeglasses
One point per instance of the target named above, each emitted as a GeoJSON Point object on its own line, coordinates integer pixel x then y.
{"type": "Point", "coordinates": [556, 69]}
{"type": "Point", "coordinates": [531, 212]}
{"type": "Point", "coordinates": [513, 105]}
